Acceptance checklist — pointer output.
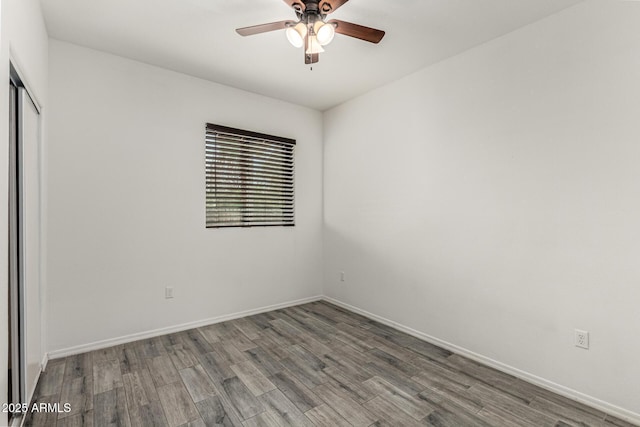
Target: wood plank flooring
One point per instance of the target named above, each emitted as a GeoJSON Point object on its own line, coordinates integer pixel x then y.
{"type": "Point", "coordinates": [310, 365]}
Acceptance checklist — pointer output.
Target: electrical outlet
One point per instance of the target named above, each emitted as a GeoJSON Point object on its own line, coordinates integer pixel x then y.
{"type": "Point", "coordinates": [168, 292]}
{"type": "Point", "coordinates": [581, 339]}
{"type": "Point", "coordinates": [342, 276]}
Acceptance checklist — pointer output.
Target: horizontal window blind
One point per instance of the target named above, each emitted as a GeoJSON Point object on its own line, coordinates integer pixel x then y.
{"type": "Point", "coordinates": [249, 178]}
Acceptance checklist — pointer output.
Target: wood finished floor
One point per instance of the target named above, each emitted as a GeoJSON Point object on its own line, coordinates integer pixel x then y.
{"type": "Point", "coordinates": [313, 364]}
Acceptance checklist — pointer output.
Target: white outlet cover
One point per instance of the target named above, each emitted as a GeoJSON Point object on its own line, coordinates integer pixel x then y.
{"type": "Point", "coordinates": [168, 292]}
{"type": "Point", "coordinates": [581, 339]}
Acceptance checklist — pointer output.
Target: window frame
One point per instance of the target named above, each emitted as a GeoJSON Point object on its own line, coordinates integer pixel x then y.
{"type": "Point", "coordinates": [287, 218]}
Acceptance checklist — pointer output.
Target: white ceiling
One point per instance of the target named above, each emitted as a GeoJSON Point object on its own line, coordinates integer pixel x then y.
{"type": "Point", "coordinates": [197, 37]}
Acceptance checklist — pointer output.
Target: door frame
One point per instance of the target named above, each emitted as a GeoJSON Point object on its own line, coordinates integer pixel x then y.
{"type": "Point", "coordinates": [16, 300]}
{"type": "Point", "coordinates": [19, 95]}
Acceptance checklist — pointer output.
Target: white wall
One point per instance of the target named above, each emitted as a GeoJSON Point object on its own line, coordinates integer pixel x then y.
{"type": "Point", "coordinates": [126, 201]}
{"type": "Point", "coordinates": [23, 39]}
{"type": "Point", "coordinates": [493, 200]}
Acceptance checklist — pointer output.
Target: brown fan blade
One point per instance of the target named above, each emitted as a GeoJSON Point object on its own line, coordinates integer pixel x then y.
{"type": "Point", "coordinates": [297, 5]}
{"type": "Point", "coordinates": [264, 28]}
{"type": "Point", "coordinates": [309, 58]}
{"type": "Point", "coordinates": [358, 31]}
{"type": "Point", "coordinates": [329, 6]}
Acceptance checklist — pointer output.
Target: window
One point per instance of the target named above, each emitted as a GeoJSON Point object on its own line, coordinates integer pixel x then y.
{"type": "Point", "coordinates": [249, 178]}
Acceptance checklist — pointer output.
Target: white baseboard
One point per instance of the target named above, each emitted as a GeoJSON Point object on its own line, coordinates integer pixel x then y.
{"type": "Point", "coordinates": [593, 402]}
{"type": "Point", "coordinates": [44, 362]}
{"type": "Point", "coordinates": [97, 345]}
{"type": "Point", "coordinates": [31, 391]}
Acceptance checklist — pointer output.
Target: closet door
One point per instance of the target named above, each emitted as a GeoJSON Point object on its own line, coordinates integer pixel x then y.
{"type": "Point", "coordinates": [28, 152]}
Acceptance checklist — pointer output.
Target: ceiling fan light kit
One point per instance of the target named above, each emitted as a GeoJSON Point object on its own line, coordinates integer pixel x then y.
{"type": "Point", "coordinates": [325, 32]}
{"type": "Point", "coordinates": [296, 34]}
{"type": "Point", "coordinates": [312, 30]}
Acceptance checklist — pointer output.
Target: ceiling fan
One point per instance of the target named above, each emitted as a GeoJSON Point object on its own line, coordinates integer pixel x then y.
{"type": "Point", "coordinates": [312, 30]}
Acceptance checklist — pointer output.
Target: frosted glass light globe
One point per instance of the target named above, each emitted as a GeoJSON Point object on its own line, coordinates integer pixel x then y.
{"type": "Point", "coordinates": [325, 34]}
{"type": "Point", "coordinates": [296, 34]}
{"type": "Point", "coordinates": [294, 37]}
